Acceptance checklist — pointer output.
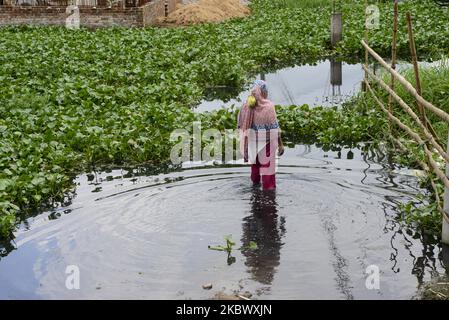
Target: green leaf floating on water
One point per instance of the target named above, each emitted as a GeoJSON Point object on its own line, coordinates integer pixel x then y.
{"type": "Point", "coordinates": [230, 244]}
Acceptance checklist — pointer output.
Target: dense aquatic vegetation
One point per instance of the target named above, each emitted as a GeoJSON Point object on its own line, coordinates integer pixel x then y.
{"type": "Point", "coordinates": [73, 99]}
{"type": "Point", "coordinates": [331, 128]}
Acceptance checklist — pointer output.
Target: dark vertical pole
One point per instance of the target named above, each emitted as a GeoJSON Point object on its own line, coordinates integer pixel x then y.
{"type": "Point", "coordinates": [336, 73]}
{"type": "Point", "coordinates": [366, 51]}
{"type": "Point", "coordinates": [336, 28]}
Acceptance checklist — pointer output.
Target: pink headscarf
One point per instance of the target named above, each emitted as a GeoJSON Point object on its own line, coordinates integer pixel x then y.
{"type": "Point", "coordinates": [261, 117]}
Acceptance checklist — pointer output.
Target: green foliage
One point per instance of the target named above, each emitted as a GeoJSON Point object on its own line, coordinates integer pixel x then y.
{"type": "Point", "coordinates": [7, 216]}
{"type": "Point", "coordinates": [435, 84]}
{"type": "Point", "coordinates": [304, 3]}
{"type": "Point", "coordinates": [228, 247]}
{"type": "Point", "coordinates": [429, 22]}
{"type": "Point", "coordinates": [331, 127]}
{"type": "Point", "coordinates": [426, 217]}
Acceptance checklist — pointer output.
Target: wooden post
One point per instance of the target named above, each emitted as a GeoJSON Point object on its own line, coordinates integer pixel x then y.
{"type": "Point", "coordinates": [336, 28]}
{"type": "Point", "coordinates": [445, 224]}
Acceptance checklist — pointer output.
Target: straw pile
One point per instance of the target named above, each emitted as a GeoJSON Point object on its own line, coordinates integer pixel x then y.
{"type": "Point", "coordinates": [206, 11]}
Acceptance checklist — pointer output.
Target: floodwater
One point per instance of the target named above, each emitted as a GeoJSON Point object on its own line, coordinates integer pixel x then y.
{"type": "Point", "coordinates": [304, 84]}
{"type": "Point", "coordinates": [147, 236]}
{"type": "Point", "coordinates": [324, 83]}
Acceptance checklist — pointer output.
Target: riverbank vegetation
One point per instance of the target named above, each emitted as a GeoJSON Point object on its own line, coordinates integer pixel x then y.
{"type": "Point", "coordinates": [75, 99]}
{"type": "Point", "coordinates": [435, 84]}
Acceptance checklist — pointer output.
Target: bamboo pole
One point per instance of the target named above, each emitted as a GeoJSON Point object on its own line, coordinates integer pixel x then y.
{"type": "Point", "coordinates": [423, 165]}
{"type": "Point", "coordinates": [366, 41]}
{"type": "Point", "coordinates": [416, 72]}
{"type": "Point", "coordinates": [432, 163]}
{"type": "Point", "coordinates": [393, 52]}
{"type": "Point", "coordinates": [407, 85]}
{"type": "Point", "coordinates": [400, 124]}
{"type": "Point", "coordinates": [412, 114]}
{"type": "Point", "coordinates": [445, 224]}
{"type": "Point", "coordinates": [411, 39]}
{"type": "Point", "coordinates": [437, 196]}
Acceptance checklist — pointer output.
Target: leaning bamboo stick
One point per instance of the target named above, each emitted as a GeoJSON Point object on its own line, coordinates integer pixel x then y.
{"type": "Point", "coordinates": [437, 196]}
{"type": "Point", "coordinates": [431, 162]}
{"type": "Point", "coordinates": [407, 85]}
{"type": "Point", "coordinates": [401, 125]}
{"type": "Point", "coordinates": [423, 165]}
{"type": "Point", "coordinates": [412, 114]}
{"type": "Point", "coordinates": [400, 145]}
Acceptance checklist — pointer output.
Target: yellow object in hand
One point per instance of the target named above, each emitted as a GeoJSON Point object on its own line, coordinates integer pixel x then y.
{"type": "Point", "coordinates": [251, 101]}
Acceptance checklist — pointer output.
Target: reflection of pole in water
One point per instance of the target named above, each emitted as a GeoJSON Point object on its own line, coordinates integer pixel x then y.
{"type": "Point", "coordinates": [265, 228]}
{"type": "Point", "coordinates": [445, 256]}
{"type": "Point", "coordinates": [336, 78]}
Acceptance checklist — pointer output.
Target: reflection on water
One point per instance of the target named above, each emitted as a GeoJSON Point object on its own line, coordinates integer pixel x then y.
{"type": "Point", "coordinates": [145, 233]}
{"type": "Point", "coordinates": [266, 228]}
{"type": "Point", "coordinates": [326, 83]}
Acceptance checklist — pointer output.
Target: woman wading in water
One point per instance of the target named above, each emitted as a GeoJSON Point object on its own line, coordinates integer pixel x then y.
{"type": "Point", "coordinates": [260, 135]}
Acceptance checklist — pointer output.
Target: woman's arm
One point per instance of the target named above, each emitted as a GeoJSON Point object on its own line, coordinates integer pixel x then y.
{"type": "Point", "coordinates": [280, 144]}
